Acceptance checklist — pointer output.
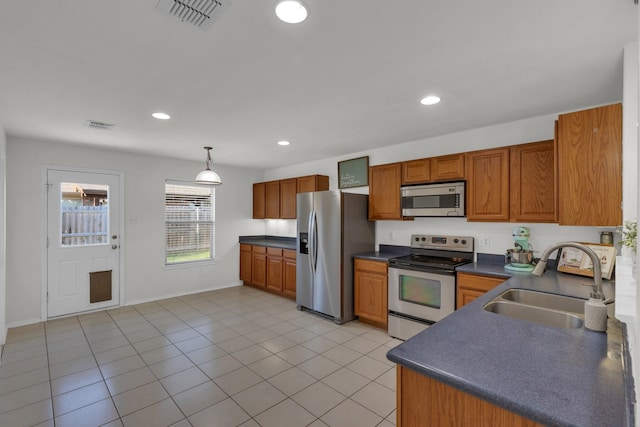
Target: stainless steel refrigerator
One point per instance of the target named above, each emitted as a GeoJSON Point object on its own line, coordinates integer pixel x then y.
{"type": "Point", "coordinates": [332, 227]}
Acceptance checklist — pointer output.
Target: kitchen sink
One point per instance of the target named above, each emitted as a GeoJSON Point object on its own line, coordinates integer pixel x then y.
{"type": "Point", "coordinates": [539, 307]}
{"type": "Point", "coordinates": [544, 300]}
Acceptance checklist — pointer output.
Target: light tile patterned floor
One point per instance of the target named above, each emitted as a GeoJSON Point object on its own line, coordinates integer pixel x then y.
{"type": "Point", "coordinates": [231, 357]}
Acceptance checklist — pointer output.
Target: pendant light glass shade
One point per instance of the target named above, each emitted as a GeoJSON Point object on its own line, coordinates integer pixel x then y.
{"type": "Point", "coordinates": [207, 176]}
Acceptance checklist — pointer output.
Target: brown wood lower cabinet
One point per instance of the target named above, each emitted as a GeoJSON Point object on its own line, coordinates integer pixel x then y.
{"type": "Point", "coordinates": [245, 262]}
{"type": "Point", "coordinates": [423, 401]}
{"type": "Point", "coordinates": [269, 268]}
{"type": "Point", "coordinates": [259, 266]}
{"type": "Point", "coordinates": [289, 289]}
{"type": "Point", "coordinates": [370, 291]}
{"type": "Point", "coordinates": [274, 269]}
{"type": "Point", "coordinates": [471, 286]}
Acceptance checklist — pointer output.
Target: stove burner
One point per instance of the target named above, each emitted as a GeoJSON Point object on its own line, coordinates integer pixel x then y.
{"type": "Point", "coordinates": [437, 253]}
{"type": "Point", "coordinates": [431, 261]}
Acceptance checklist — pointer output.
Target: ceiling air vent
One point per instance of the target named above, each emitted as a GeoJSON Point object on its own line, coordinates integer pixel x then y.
{"type": "Point", "coordinates": [199, 13]}
{"type": "Point", "coordinates": [93, 124]}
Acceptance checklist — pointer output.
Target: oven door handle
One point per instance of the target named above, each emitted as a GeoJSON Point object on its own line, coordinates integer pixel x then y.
{"type": "Point", "coordinates": [406, 266]}
{"type": "Point", "coordinates": [394, 263]}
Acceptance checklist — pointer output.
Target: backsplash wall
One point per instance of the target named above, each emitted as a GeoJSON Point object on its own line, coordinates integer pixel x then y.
{"type": "Point", "coordinates": [498, 233]}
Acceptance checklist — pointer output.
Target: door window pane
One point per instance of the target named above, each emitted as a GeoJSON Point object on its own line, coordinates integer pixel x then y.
{"type": "Point", "coordinates": [84, 214]}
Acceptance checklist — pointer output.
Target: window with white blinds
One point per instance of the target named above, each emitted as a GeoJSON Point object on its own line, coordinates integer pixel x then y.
{"type": "Point", "coordinates": [189, 223]}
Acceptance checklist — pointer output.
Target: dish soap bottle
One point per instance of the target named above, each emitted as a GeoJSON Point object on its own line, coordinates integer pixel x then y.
{"type": "Point", "coordinates": [595, 313]}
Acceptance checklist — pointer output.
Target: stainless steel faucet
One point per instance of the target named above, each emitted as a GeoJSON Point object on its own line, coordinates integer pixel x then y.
{"type": "Point", "coordinates": [597, 292]}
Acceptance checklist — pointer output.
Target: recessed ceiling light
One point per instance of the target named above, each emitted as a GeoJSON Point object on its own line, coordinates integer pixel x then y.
{"type": "Point", "coordinates": [291, 12]}
{"type": "Point", "coordinates": [161, 116]}
{"type": "Point", "coordinates": [430, 100]}
{"type": "Point", "coordinates": [283, 143]}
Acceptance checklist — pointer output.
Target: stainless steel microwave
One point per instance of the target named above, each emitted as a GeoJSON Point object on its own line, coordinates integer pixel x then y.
{"type": "Point", "coordinates": [441, 199]}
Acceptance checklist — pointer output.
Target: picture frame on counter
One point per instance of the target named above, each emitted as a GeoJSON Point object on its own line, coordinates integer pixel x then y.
{"type": "Point", "coordinates": [574, 261]}
{"type": "Point", "coordinates": [353, 173]}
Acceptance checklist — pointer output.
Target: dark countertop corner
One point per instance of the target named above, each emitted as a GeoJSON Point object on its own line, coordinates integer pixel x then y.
{"type": "Point", "coordinates": [271, 241]}
{"type": "Point", "coordinates": [384, 253]}
{"type": "Point", "coordinates": [560, 377]}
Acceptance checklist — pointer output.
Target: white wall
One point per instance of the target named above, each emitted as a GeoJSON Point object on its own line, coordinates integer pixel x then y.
{"type": "Point", "coordinates": [145, 276]}
{"type": "Point", "coordinates": [398, 232]}
{"type": "Point", "coordinates": [3, 263]}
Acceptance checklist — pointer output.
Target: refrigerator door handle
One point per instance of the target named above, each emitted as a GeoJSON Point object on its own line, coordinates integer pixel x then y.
{"type": "Point", "coordinates": [313, 241]}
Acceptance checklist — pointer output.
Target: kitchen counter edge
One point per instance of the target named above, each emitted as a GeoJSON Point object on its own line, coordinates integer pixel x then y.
{"type": "Point", "coordinates": [529, 369]}
{"type": "Point", "coordinates": [270, 241]}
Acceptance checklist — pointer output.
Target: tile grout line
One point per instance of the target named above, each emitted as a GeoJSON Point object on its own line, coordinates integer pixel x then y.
{"type": "Point", "coordinates": [46, 347]}
{"type": "Point", "coordinates": [176, 312]}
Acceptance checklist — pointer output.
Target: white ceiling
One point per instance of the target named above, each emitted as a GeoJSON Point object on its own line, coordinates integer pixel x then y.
{"type": "Point", "coordinates": [347, 79]}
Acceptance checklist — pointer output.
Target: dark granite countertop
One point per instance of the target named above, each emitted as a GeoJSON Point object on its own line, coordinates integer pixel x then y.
{"type": "Point", "coordinates": [487, 265]}
{"type": "Point", "coordinates": [271, 241]}
{"type": "Point", "coordinates": [486, 269]}
{"type": "Point", "coordinates": [376, 256]}
{"type": "Point", "coordinates": [560, 377]}
{"type": "Point", "coordinates": [384, 252]}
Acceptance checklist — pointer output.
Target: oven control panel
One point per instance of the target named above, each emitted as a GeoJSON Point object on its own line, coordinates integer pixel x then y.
{"type": "Point", "coordinates": [454, 243]}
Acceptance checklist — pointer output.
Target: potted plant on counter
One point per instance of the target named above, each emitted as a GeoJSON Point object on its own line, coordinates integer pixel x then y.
{"type": "Point", "coordinates": [629, 243]}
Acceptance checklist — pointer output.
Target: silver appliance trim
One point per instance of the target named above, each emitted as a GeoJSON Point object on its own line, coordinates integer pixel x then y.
{"type": "Point", "coordinates": [419, 311]}
{"type": "Point", "coordinates": [451, 243]}
{"type": "Point", "coordinates": [432, 258]}
{"type": "Point", "coordinates": [331, 227]}
{"type": "Point", "coordinates": [455, 189]}
{"type": "Point", "coordinates": [403, 327]}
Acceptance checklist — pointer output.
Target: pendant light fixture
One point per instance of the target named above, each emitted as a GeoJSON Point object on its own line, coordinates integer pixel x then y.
{"type": "Point", "coordinates": [207, 176]}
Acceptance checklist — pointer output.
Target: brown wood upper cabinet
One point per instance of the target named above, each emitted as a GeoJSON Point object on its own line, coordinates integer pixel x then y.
{"type": "Point", "coordinates": [441, 168]}
{"type": "Point", "coordinates": [534, 192]}
{"type": "Point", "coordinates": [590, 165]}
{"type": "Point", "coordinates": [259, 201]}
{"type": "Point", "coordinates": [488, 185]}
{"type": "Point", "coordinates": [272, 197]}
{"type": "Point", "coordinates": [516, 183]}
{"type": "Point", "coordinates": [288, 190]}
{"type": "Point", "coordinates": [384, 191]}
{"type": "Point", "coordinates": [307, 184]}
{"type": "Point", "coordinates": [277, 199]}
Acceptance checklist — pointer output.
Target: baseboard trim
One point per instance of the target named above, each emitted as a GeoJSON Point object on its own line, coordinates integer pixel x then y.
{"type": "Point", "coordinates": [133, 302]}
{"type": "Point", "coordinates": [182, 294]}
{"type": "Point", "coordinates": [21, 323]}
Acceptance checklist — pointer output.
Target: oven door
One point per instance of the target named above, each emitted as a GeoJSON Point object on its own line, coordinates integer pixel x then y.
{"type": "Point", "coordinates": [420, 294]}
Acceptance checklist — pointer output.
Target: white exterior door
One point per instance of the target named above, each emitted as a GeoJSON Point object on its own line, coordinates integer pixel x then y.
{"type": "Point", "coordinates": [83, 241]}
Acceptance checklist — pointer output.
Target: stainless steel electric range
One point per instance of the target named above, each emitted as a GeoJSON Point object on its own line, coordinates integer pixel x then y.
{"type": "Point", "coordinates": [422, 285]}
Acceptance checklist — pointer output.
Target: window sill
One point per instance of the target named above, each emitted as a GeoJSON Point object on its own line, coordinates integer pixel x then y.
{"type": "Point", "coordinates": [190, 264]}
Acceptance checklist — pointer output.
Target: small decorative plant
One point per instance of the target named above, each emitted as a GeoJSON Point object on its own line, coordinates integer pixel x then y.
{"type": "Point", "coordinates": [630, 235]}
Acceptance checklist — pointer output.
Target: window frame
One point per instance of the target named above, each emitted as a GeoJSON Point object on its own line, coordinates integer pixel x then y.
{"type": "Point", "coordinates": [212, 222]}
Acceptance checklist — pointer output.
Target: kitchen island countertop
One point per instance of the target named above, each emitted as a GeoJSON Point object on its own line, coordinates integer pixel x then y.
{"type": "Point", "coordinates": [560, 377]}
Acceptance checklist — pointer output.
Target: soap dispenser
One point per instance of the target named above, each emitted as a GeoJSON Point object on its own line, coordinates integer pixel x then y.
{"type": "Point", "coordinates": [595, 312]}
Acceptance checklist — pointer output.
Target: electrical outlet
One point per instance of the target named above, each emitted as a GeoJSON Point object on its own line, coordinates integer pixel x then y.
{"type": "Point", "coordinates": [484, 241]}
{"type": "Point", "coordinates": [390, 235]}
